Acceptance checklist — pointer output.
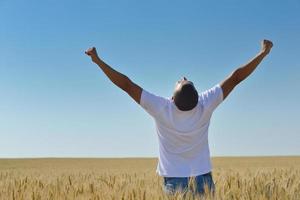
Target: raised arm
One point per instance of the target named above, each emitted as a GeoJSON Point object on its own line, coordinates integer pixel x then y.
{"type": "Point", "coordinates": [244, 71]}
{"type": "Point", "coordinates": [116, 77]}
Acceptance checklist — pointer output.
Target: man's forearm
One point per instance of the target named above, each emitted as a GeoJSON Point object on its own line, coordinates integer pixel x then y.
{"type": "Point", "coordinates": [116, 77]}
{"type": "Point", "coordinates": [243, 72]}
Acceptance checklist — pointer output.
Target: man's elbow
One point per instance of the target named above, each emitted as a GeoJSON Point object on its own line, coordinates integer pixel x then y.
{"type": "Point", "coordinates": [126, 84]}
{"type": "Point", "coordinates": [236, 76]}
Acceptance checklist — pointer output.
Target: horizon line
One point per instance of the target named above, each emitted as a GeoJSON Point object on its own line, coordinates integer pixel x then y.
{"type": "Point", "coordinates": [146, 157]}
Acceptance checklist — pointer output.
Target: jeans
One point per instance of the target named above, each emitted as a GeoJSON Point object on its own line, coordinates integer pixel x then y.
{"type": "Point", "coordinates": [181, 184]}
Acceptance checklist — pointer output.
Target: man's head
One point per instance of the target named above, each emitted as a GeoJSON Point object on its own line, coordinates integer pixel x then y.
{"type": "Point", "coordinates": [185, 95]}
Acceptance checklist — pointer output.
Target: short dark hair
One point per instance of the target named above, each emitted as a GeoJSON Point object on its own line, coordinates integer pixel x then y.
{"type": "Point", "coordinates": [186, 97]}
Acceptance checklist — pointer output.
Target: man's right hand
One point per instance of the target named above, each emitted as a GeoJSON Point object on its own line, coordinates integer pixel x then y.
{"type": "Point", "coordinates": [266, 46]}
{"type": "Point", "coordinates": [92, 53]}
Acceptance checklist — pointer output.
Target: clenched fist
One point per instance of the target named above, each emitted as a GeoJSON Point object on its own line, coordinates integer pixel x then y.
{"type": "Point", "coordinates": [266, 46]}
{"type": "Point", "coordinates": [92, 53]}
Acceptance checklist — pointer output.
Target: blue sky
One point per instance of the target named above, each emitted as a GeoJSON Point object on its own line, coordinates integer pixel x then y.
{"type": "Point", "coordinates": [55, 103]}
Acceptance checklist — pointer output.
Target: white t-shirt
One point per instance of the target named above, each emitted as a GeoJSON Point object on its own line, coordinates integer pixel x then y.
{"type": "Point", "coordinates": [182, 135]}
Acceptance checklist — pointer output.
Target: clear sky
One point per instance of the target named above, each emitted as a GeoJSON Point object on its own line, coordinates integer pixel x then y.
{"type": "Point", "coordinates": [55, 103]}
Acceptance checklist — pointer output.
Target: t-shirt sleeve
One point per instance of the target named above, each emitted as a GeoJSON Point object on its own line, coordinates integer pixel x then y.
{"type": "Point", "coordinates": [153, 104]}
{"type": "Point", "coordinates": [212, 97]}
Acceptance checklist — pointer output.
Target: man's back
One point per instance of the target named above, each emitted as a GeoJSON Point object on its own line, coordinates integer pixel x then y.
{"type": "Point", "coordinates": [183, 135]}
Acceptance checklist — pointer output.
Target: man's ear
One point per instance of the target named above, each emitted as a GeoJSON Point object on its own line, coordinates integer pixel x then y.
{"type": "Point", "coordinates": [172, 97]}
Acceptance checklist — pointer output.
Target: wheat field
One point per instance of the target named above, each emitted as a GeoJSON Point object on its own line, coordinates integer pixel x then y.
{"type": "Point", "coordinates": [253, 178]}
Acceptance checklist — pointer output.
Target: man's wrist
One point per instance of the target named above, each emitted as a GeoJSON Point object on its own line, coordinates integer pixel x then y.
{"type": "Point", "coordinates": [263, 53]}
{"type": "Point", "coordinates": [96, 59]}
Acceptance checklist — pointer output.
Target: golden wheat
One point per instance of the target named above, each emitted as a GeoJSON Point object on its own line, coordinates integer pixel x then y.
{"type": "Point", "coordinates": [108, 179]}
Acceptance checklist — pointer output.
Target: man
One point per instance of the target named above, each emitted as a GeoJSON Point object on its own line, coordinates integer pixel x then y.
{"type": "Point", "coordinates": [182, 122]}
